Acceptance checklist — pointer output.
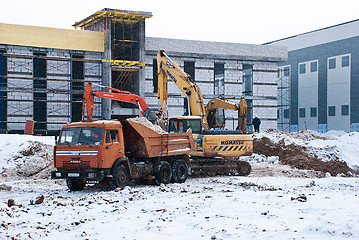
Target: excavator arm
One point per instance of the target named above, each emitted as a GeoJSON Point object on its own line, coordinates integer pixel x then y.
{"type": "Point", "coordinates": [223, 103]}
{"type": "Point", "coordinates": [119, 95]}
{"type": "Point", "coordinates": [167, 68]}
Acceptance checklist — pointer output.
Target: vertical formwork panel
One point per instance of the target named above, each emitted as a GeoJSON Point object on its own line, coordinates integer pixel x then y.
{"type": "Point", "coordinates": [40, 93]}
{"type": "Point", "coordinates": [77, 87]}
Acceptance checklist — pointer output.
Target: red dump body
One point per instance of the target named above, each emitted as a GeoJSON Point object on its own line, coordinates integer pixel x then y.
{"type": "Point", "coordinates": [143, 142]}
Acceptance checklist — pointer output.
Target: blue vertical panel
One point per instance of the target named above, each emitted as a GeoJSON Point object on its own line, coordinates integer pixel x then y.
{"type": "Point", "coordinates": [293, 128]}
{"type": "Point", "coordinates": [354, 83]}
{"type": "Point", "coordinates": [322, 128]}
{"type": "Point", "coordinates": [354, 127]}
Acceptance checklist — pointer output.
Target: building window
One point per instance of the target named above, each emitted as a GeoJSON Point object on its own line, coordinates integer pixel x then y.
{"type": "Point", "coordinates": [331, 110]}
{"type": "Point", "coordinates": [154, 76]}
{"type": "Point", "coordinates": [313, 66]}
{"type": "Point", "coordinates": [302, 68]}
{"type": "Point", "coordinates": [345, 61]}
{"type": "Point", "coordinates": [313, 112]}
{"type": "Point", "coordinates": [332, 63]}
{"type": "Point", "coordinates": [219, 79]}
{"type": "Point", "coordinates": [190, 69]}
{"type": "Point", "coordinates": [248, 79]}
{"type": "Point", "coordinates": [40, 93]}
{"type": "Point", "coordinates": [77, 87]}
{"type": "Point", "coordinates": [302, 112]}
{"type": "Point", "coordinates": [345, 110]}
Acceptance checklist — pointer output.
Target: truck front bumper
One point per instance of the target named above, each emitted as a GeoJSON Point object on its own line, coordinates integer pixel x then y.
{"type": "Point", "coordinates": [90, 175]}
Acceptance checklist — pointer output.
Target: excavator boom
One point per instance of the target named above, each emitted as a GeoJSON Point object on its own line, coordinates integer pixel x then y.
{"type": "Point", "coordinates": [116, 94]}
{"type": "Point", "coordinates": [167, 68]}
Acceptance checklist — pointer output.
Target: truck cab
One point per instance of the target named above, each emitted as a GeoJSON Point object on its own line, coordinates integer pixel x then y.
{"type": "Point", "coordinates": [87, 150]}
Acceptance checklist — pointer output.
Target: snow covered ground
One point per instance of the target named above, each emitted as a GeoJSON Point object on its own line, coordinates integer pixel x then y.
{"type": "Point", "coordinates": [274, 202]}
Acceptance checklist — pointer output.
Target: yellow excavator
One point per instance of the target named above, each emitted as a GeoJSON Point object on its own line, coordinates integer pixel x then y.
{"type": "Point", "coordinates": [216, 152]}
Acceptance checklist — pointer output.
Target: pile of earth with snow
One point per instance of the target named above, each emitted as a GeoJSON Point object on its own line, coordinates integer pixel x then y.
{"type": "Point", "coordinates": [23, 156]}
{"type": "Point", "coordinates": [331, 153]}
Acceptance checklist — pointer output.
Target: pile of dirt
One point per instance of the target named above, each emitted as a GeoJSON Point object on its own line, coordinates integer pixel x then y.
{"type": "Point", "coordinates": [298, 157]}
{"type": "Point", "coordinates": [34, 160]}
{"type": "Point", "coordinates": [144, 121]}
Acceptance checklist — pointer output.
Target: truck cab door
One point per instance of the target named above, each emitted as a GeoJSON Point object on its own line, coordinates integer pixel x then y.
{"type": "Point", "coordinates": [114, 147]}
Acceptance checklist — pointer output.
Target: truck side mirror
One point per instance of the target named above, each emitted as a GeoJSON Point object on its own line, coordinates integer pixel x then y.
{"type": "Point", "coordinates": [55, 139]}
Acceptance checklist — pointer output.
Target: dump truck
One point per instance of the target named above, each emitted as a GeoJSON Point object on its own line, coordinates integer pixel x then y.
{"type": "Point", "coordinates": [116, 152]}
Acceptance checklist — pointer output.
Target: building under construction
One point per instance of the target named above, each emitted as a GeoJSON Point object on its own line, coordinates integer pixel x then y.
{"type": "Point", "coordinates": [43, 71]}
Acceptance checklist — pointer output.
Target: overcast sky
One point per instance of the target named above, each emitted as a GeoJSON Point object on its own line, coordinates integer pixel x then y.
{"type": "Point", "coordinates": [253, 21]}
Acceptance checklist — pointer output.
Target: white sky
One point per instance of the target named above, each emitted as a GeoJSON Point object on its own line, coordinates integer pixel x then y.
{"type": "Point", "coordinates": [251, 21]}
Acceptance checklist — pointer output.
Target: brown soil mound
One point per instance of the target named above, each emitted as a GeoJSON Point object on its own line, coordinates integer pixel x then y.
{"type": "Point", "coordinates": [297, 156]}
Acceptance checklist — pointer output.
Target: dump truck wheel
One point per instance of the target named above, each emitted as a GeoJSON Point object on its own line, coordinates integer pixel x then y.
{"type": "Point", "coordinates": [75, 184]}
{"type": "Point", "coordinates": [120, 177]}
{"type": "Point", "coordinates": [164, 173]}
{"type": "Point", "coordinates": [243, 168]}
{"type": "Point", "coordinates": [179, 171]}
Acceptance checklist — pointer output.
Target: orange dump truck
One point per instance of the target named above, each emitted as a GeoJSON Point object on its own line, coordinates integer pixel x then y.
{"type": "Point", "coordinates": [116, 152]}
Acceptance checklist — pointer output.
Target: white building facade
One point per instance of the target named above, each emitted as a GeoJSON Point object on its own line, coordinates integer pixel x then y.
{"type": "Point", "coordinates": [322, 76]}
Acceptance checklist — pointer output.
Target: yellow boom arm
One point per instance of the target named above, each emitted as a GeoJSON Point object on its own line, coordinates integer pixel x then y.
{"type": "Point", "coordinates": [167, 68]}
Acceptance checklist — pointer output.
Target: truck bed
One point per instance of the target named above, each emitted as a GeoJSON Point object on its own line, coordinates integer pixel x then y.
{"type": "Point", "coordinates": [143, 142]}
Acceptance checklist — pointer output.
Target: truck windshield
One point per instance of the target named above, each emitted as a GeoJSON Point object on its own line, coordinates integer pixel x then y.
{"type": "Point", "coordinates": [81, 135]}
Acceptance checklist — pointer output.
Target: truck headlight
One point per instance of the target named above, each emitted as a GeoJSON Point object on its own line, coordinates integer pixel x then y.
{"type": "Point", "coordinates": [58, 174]}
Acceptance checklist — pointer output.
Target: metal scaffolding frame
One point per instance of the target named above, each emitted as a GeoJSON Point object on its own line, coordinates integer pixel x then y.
{"type": "Point", "coordinates": [20, 79]}
{"type": "Point", "coordinates": [284, 98]}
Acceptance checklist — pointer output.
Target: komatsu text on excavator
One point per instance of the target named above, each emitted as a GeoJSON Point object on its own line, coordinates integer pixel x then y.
{"type": "Point", "coordinates": [218, 150]}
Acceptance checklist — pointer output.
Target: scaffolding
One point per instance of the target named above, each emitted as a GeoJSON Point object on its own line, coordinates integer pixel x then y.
{"type": "Point", "coordinates": [284, 98]}
{"type": "Point", "coordinates": [124, 47]}
{"type": "Point", "coordinates": [41, 87]}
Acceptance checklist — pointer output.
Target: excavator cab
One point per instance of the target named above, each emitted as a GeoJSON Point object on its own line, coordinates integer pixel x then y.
{"type": "Point", "coordinates": [184, 123]}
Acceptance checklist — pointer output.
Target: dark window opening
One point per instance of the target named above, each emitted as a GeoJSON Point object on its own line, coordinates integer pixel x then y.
{"type": "Point", "coordinates": [313, 112]}
{"type": "Point", "coordinates": [345, 110]}
{"type": "Point", "coordinates": [125, 40]}
{"type": "Point", "coordinates": [219, 79]}
{"type": "Point", "coordinates": [40, 93]}
{"type": "Point", "coordinates": [248, 80]}
{"type": "Point", "coordinates": [126, 80]}
{"type": "Point", "coordinates": [332, 63]}
{"type": "Point", "coordinates": [3, 92]}
{"type": "Point", "coordinates": [77, 87]}
{"type": "Point", "coordinates": [185, 107]}
{"type": "Point", "coordinates": [155, 76]}
{"type": "Point", "coordinates": [302, 68]}
{"type": "Point", "coordinates": [345, 61]}
{"type": "Point", "coordinates": [313, 66]}
{"type": "Point", "coordinates": [302, 112]}
{"type": "Point", "coordinates": [249, 112]}
{"type": "Point", "coordinates": [331, 110]}
{"type": "Point", "coordinates": [189, 67]}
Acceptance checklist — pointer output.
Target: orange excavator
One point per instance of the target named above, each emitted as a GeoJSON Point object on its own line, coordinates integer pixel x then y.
{"type": "Point", "coordinates": [115, 94]}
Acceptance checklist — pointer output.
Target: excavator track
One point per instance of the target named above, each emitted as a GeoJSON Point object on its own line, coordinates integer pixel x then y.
{"type": "Point", "coordinates": [218, 166]}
